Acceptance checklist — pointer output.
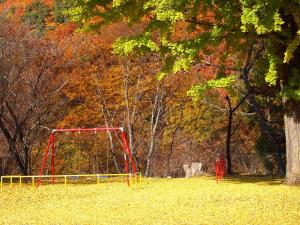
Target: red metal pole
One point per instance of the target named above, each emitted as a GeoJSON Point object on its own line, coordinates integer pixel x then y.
{"type": "Point", "coordinates": [222, 166]}
{"type": "Point", "coordinates": [218, 170]}
{"type": "Point", "coordinates": [127, 149]}
{"type": "Point", "coordinates": [125, 160]}
{"type": "Point", "coordinates": [89, 129]}
{"type": "Point", "coordinates": [50, 142]}
{"type": "Point", "coordinates": [53, 159]}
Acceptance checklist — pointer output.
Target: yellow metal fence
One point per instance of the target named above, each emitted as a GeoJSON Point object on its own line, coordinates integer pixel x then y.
{"type": "Point", "coordinates": [133, 180]}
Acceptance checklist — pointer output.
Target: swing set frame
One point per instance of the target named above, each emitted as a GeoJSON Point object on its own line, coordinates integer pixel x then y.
{"type": "Point", "coordinates": [51, 146]}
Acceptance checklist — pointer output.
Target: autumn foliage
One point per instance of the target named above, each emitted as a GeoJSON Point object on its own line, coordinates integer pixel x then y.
{"type": "Point", "coordinates": [165, 128]}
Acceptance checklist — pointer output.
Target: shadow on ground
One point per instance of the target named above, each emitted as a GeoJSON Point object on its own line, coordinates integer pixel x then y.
{"type": "Point", "coordinates": [259, 179]}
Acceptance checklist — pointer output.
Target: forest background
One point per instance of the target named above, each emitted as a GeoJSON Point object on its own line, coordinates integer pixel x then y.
{"type": "Point", "coordinates": [55, 77]}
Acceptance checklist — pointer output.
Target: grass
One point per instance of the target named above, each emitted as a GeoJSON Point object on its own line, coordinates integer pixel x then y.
{"type": "Point", "coordinates": [161, 201]}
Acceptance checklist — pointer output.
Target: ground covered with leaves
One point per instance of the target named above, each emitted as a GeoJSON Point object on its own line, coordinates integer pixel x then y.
{"type": "Point", "coordinates": [160, 201]}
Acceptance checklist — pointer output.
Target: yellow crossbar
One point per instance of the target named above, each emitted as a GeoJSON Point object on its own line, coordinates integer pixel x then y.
{"type": "Point", "coordinates": [137, 177]}
{"type": "Point", "coordinates": [73, 175]}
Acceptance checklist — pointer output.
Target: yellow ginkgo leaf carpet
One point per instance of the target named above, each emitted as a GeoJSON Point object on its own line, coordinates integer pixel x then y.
{"type": "Point", "coordinates": [160, 201]}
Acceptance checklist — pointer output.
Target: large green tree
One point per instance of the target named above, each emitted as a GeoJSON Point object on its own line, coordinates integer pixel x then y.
{"type": "Point", "coordinates": [262, 35]}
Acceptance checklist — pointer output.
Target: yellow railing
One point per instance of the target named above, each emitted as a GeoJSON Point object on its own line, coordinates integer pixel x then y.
{"type": "Point", "coordinates": [132, 179]}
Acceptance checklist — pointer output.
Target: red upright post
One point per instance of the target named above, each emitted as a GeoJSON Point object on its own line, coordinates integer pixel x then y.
{"type": "Point", "coordinates": [218, 170]}
{"type": "Point", "coordinates": [127, 150]}
{"type": "Point", "coordinates": [50, 143]}
{"type": "Point", "coordinates": [53, 159]}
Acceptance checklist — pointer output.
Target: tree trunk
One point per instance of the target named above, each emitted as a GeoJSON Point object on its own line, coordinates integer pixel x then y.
{"type": "Point", "coordinates": [13, 150]}
{"type": "Point", "coordinates": [149, 156]}
{"type": "Point", "coordinates": [155, 117]}
{"type": "Point", "coordinates": [266, 129]}
{"type": "Point", "coordinates": [172, 145]}
{"type": "Point", "coordinates": [12, 147]}
{"type": "Point", "coordinates": [112, 146]}
{"type": "Point", "coordinates": [228, 138]}
{"type": "Point", "coordinates": [268, 132]}
{"type": "Point", "coordinates": [26, 151]}
{"type": "Point", "coordinates": [171, 150]}
{"type": "Point", "coordinates": [292, 136]}
{"type": "Point", "coordinates": [229, 128]}
{"type": "Point", "coordinates": [112, 149]}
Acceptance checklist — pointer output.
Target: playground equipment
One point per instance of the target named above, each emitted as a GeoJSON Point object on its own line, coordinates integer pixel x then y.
{"type": "Point", "coordinates": [130, 175]}
{"type": "Point", "coordinates": [220, 168]}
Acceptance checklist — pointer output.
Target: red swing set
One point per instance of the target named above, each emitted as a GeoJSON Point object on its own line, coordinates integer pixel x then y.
{"type": "Point", "coordinates": [51, 146]}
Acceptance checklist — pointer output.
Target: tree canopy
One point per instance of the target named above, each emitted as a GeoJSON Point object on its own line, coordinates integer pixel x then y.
{"type": "Point", "coordinates": [209, 23]}
{"type": "Point", "coordinates": [261, 39]}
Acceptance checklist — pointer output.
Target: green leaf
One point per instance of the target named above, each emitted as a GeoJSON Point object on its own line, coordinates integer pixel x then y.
{"type": "Point", "coordinates": [198, 90]}
{"type": "Point", "coordinates": [272, 74]}
{"type": "Point", "coordinates": [124, 46]}
{"type": "Point", "coordinates": [288, 55]}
